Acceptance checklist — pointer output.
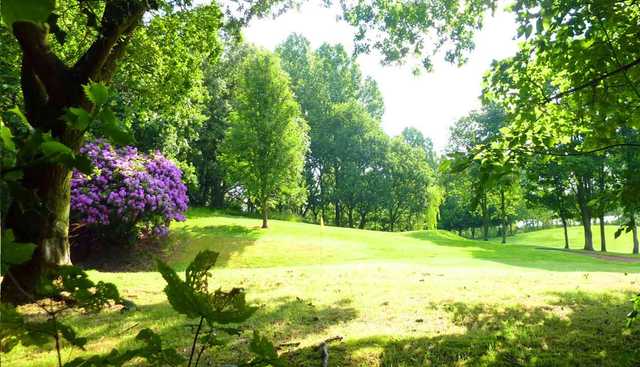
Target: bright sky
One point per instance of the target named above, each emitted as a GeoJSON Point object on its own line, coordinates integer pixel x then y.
{"type": "Point", "coordinates": [430, 102]}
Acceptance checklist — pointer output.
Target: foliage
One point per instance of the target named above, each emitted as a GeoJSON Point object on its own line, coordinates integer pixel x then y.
{"type": "Point", "coordinates": [130, 194]}
{"type": "Point", "coordinates": [63, 288]}
{"type": "Point", "coordinates": [265, 145]}
{"type": "Point", "coordinates": [193, 298]}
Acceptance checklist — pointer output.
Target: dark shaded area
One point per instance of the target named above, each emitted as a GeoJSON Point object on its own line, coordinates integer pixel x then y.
{"type": "Point", "coordinates": [577, 330]}
{"type": "Point", "coordinates": [95, 254]}
{"type": "Point", "coordinates": [527, 256]}
{"type": "Point", "coordinates": [290, 319]}
{"type": "Point", "coordinates": [227, 240]}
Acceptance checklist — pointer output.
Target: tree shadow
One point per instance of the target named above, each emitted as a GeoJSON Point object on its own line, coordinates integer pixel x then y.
{"type": "Point", "coordinates": [578, 329]}
{"type": "Point", "coordinates": [227, 240]}
{"type": "Point", "coordinates": [281, 320]}
{"type": "Point", "coordinates": [527, 256]}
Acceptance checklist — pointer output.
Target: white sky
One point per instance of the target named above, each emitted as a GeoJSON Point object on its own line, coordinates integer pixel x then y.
{"type": "Point", "coordinates": [430, 102]}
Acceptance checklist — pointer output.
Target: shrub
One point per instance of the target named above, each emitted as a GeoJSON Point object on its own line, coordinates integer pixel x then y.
{"type": "Point", "coordinates": [129, 195]}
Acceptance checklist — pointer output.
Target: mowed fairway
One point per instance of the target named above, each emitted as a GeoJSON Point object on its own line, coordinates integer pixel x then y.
{"type": "Point", "coordinates": [397, 299]}
{"type": "Point", "coordinates": [554, 237]}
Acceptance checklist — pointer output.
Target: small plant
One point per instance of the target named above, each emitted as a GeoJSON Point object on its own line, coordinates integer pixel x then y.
{"type": "Point", "coordinates": [215, 310]}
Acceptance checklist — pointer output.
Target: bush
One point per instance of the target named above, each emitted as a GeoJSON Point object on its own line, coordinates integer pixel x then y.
{"type": "Point", "coordinates": [129, 195]}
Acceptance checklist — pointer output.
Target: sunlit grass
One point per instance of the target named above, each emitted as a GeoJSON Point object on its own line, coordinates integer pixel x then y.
{"type": "Point", "coordinates": [554, 237]}
{"type": "Point", "coordinates": [398, 299]}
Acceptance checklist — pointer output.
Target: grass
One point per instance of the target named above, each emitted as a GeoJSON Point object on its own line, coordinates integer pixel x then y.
{"type": "Point", "coordinates": [554, 237]}
{"type": "Point", "coordinates": [398, 299]}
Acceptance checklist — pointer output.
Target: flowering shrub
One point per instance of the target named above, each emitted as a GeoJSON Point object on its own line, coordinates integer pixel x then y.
{"type": "Point", "coordinates": [130, 195]}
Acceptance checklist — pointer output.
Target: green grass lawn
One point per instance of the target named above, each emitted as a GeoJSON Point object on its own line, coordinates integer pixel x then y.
{"type": "Point", "coordinates": [555, 238]}
{"type": "Point", "coordinates": [398, 299]}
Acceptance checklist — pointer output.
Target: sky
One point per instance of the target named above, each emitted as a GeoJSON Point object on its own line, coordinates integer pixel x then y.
{"type": "Point", "coordinates": [430, 102]}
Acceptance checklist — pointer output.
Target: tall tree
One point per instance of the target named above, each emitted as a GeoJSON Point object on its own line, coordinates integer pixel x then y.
{"type": "Point", "coordinates": [266, 142]}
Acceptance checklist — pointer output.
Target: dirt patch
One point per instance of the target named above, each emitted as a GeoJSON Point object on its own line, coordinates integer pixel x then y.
{"type": "Point", "coordinates": [598, 255]}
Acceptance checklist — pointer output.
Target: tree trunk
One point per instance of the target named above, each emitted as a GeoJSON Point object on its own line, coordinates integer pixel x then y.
{"type": "Point", "coordinates": [585, 212]}
{"type": "Point", "coordinates": [485, 218]}
{"type": "Point", "coordinates": [603, 239]}
{"type": "Point", "coordinates": [566, 234]}
{"type": "Point", "coordinates": [363, 220]}
{"type": "Point", "coordinates": [49, 88]}
{"type": "Point", "coordinates": [634, 230]}
{"type": "Point", "coordinates": [47, 228]}
{"type": "Point", "coordinates": [504, 217]}
{"type": "Point", "coordinates": [264, 213]}
{"type": "Point", "coordinates": [219, 190]}
{"type": "Point", "coordinates": [338, 213]}
{"type": "Point", "coordinates": [473, 233]}
{"type": "Point", "coordinates": [350, 217]}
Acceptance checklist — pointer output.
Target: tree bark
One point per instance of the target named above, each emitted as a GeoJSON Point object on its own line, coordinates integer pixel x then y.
{"type": "Point", "coordinates": [603, 238]}
{"type": "Point", "coordinates": [485, 218]}
{"type": "Point", "coordinates": [634, 230]}
{"type": "Point", "coordinates": [566, 233]}
{"type": "Point", "coordinates": [585, 211]}
{"type": "Point", "coordinates": [264, 213]}
{"type": "Point", "coordinates": [504, 217]}
{"type": "Point", "coordinates": [49, 88]}
{"type": "Point", "coordinates": [363, 219]}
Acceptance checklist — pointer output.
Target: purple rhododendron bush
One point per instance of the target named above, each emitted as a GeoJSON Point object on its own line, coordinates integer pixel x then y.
{"type": "Point", "coordinates": [130, 196]}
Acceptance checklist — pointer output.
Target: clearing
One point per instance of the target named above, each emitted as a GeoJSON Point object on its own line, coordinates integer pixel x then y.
{"type": "Point", "coordinates": [425, 298]}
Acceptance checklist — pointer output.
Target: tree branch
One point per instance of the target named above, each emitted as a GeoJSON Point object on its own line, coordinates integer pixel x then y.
{"type": "Point", "coordinates": [119, 17]}
{"type": "Point", "coordinates": [593, 82]}
{"type": "Point", "coordinates": [44, 64]}
{"type": "Point", "coordinates": [586, 152]}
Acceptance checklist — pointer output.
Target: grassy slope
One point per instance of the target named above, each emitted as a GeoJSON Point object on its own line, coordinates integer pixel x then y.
{"type": "Point", "coordinates": [555, 238]}
{"type": "Point", "coordinates": [398, 299]}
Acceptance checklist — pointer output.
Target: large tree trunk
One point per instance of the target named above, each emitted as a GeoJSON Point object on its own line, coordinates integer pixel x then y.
{"type": "Point", "coordinates": [566, 233]}
{"type": "Point", "coordinates": [603, 238]}
{"type": "Point", "coordinates": [49, 88]}
{"type": "Point", "coordinates": [47, 228]}
{"type": "Point", "coordinates": [338, 213]}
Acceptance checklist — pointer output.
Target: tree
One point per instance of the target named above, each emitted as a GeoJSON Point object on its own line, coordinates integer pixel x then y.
{"type": "Point", "coordinates": [548, 185]}
{"type": "Point", "coordinates": [50, 86]}
{"type": "Point", "coordinates": [266, 142]}
{"type": "Point", "coordinates": [406, 179]}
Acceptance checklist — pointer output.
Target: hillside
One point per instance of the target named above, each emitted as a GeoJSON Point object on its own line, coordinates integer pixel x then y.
{"type": "Point", "coordinates": [554, 237]}
{"type": "Point", "coordinates": [398, 299]}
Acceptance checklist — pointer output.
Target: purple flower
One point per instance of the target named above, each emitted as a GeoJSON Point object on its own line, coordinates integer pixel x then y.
{"type": "Point", "coordinates": [128, 187]}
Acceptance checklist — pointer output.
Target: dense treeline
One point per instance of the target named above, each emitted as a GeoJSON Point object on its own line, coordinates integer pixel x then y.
{"type": "Point", "coordinates": [354, 174]}
{"type": "Point", "coordinates": [567, 137]}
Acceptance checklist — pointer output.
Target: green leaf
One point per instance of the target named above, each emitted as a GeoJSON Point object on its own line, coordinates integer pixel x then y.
{"type": "Point", "coordinates": [36, 11]}
{"type": "Point", "coordinates": [96, 93]}
{"type": "Point", "coordinates": [114, 129]}
{"type": "Point", "coordinates": [83, 164]}
{"type": "Point", "coordinates": [16, 111]}
{"type": "Point", "coordinates": [7, 138]}
{"type": "Point", "coordinates": [78, 118]}
{"type": "Point", "coordinates": [54, 148]}
{"type": "Point", "coordinates": [14, 253]}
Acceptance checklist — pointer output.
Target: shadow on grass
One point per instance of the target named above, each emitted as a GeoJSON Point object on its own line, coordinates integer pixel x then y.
{"type": "Point", "coordinates": [227, 240]}
{"type": "Point", "coordinates": [575, 329]}
{"type": "Point", "coordinates": [526, 256]}
{"type": "Point", "coordinates": [284, 319]}
{"type": "Point", "coordinates": [578, 329]}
